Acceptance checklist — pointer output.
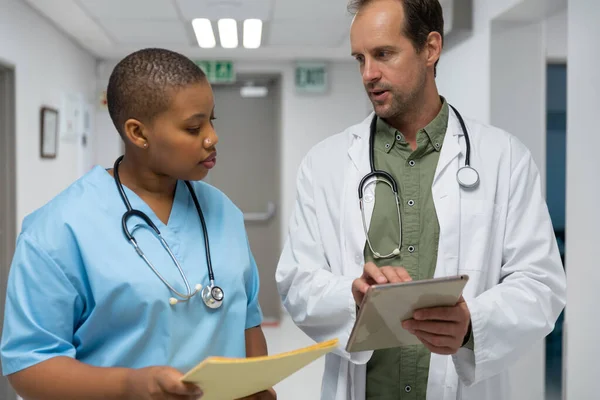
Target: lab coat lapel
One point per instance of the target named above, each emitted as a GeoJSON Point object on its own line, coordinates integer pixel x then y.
{"type": "Point", "coordinates": [351, 225]}
{"type": "Point", "coordinates": [446, 195]}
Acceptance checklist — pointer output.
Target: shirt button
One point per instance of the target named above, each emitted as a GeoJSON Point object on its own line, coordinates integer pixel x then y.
{"type": "Point", "coordinates": [407, 389]}
{"type": "Point", "coordinates": [358, 259]}
{"type": "Point", "coordinates": [411, 203]}
{"type": "Point", "coordinates": [398, 137]}
{"type": "Point", "coordinates": [387, 145]}
{"type": "Point", "coordinates": [437, 145]}
{"type": "Point", "coordinates": [412, 163]}
{"type": "Point", "coordinates": [411, 249]}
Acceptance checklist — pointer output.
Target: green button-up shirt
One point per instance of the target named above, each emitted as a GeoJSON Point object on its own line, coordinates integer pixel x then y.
{"type": "Point", "coordinates": [402, 373]}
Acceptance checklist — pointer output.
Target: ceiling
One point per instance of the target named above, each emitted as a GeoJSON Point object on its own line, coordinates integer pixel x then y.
{"type": "Point", "coordinates": [292, 29]}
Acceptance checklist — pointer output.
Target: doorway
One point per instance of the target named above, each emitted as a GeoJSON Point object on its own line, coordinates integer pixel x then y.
{"type": "Point", "coordinates": [556, 151]}
{"type": "Point", "coordinates": [8, 204]}
{"type": "Point", "coordinates": [248, 125]}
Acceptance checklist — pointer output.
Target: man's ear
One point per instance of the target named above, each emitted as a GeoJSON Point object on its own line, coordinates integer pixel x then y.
{"type": "Point", "coordinates": [433, 48]}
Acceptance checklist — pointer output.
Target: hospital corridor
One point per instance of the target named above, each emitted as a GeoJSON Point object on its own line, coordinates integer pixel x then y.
{"type": "Point", "coordinates": [299, 199]}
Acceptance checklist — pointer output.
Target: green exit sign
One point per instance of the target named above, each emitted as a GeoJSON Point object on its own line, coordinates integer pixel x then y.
{"type": "Point", "coordinates": [218, 71]}
{"type": "Point", "coordinates": [311, 77]}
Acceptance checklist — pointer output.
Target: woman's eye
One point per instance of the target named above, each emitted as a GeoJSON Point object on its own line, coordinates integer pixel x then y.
{"type": "Point", "coordinates": [194, 130]}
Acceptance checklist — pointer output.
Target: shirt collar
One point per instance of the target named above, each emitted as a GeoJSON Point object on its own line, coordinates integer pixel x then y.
{"type": "Point", "coordinates": [435, 131]}
{"type": "Point", "coordinates": [388, 136]}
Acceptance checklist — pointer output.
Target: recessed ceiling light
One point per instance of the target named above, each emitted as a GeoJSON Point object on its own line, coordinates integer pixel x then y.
{"type": "Point", "coordinates": [204, 33]}
{"type": "Point", "coordinates": [252, 33]}
{"type": "Point", "coordinates": [228, 33]}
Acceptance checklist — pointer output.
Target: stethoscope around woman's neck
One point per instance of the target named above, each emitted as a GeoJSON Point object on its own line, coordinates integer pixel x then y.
{"type": "Point", "coordinates": [467, 178]}
{"type": "Point", "coordinates": [212, 295]}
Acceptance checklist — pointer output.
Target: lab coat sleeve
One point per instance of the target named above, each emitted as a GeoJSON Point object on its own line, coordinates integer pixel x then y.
{"type": "Point", "coordinates": [41, 308]}
{"type": "Point", "coordinates": [254, 314]}
{"type": "Point", "coordinates": [521, 310]}
{"type": "Point", "coordinates": [320, 303]}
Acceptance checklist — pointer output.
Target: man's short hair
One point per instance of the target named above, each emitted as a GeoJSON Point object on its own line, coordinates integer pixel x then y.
{"type": "Point", "coordinates": [421, 18]}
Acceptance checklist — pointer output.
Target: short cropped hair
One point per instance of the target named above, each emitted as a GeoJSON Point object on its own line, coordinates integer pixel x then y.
{"type": "Point", "coordinates": [421, 18]}
{"type": "Point", "coordinates": [140, 86]}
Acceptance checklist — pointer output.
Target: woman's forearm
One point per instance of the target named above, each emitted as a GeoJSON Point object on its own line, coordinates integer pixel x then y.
{"type": "Point", "coordinates": [256, 344]}
{"type": "Point", "coordinates": [63, 378]}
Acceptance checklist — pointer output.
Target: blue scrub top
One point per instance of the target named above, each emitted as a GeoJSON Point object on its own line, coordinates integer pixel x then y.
{"type": "Point", "coordinates": [78, 288]}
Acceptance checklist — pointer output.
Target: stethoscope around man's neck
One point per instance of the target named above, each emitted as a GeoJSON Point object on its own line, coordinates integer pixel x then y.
{"type": "Point", "coordinates": [467, 177]}
{"type": "Point", "coordinates": [212, 295]}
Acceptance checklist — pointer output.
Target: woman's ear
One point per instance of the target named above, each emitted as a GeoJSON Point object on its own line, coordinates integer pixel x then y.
{"type": "Point", "coordinates": [134, 133]}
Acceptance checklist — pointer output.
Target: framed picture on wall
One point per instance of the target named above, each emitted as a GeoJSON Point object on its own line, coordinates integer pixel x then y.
{"type": "Point", "coordinates": [49, 132]}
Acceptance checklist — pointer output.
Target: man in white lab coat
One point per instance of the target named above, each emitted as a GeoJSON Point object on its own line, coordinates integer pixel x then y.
{"type": "Point", "coordinates": [498, 231]}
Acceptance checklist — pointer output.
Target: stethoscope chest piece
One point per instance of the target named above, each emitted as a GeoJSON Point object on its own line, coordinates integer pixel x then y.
{"type": "Point", "coordinates": [467, 177]}
{"type": "Point", "coordinates": [213, 296]}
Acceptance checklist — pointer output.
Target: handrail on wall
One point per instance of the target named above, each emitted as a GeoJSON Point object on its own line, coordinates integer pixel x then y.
{"type": "Point", "coordinates": [261, 216]}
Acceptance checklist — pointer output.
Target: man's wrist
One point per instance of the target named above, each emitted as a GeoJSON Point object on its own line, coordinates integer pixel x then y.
{"type": "Point", "coordinates": [468, 335]}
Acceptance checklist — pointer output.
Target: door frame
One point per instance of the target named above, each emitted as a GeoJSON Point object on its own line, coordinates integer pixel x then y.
{"type": "Point", "coordinates": [560, 62]}
{"type": "Point", "coordinates": [8, 200]}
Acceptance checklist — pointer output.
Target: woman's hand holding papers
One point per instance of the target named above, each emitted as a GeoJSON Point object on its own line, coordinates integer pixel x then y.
{"type": "Point", "coordinates": [266, 395]}
{"type": "Point", "coordinates": [160, 383]}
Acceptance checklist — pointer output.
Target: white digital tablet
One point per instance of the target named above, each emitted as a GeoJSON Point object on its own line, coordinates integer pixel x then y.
{"type": "Point", "coordinates": [379, 321]}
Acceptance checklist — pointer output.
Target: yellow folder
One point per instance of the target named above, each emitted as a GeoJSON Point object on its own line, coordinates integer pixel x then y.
{"type": "Point", "coordinates": [222, 378]}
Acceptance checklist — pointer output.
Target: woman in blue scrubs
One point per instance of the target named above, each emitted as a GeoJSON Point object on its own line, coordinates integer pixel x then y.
{"type": "Point", "coordinates": [87, 317]}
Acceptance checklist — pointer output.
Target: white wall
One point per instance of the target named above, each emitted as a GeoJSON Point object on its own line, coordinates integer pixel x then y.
{"type": "Point", "coordinates": [46, 64]}
{"type": "Point", "coordinates": [464, 70]}
{"type": "Point", "coordinates": [518, 99]}
{"type": "Point", "coordinates": [466, 84]}
{"type": "Point", "coordinates": [556, 37]}
{"type": "Point", "coordinates": [309, 119]}
{"type": "Point", "coordinates": [583, 191]}
{"type": "Point", "coordinates": [518, 84]}
{"type": "Point", "coordinates": [305, 119]}
{"type": "Point", "coordinates": [108, 144]}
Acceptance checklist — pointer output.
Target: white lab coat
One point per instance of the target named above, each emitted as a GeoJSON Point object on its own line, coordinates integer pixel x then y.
{"type": "Point", "coordinates": [500, 234]}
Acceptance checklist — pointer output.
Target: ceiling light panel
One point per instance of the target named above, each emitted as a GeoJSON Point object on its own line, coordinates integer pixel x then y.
{"type": "Point", "coordinates": [205, 35]}
{"type": "Point", "coordinates": [252, 33]}
{"type": "Point", "coordinates": [228, 33]}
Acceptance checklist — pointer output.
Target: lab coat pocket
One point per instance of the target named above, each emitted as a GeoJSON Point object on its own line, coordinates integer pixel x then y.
{"type": "Point", "coordinates": [479, 226]}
